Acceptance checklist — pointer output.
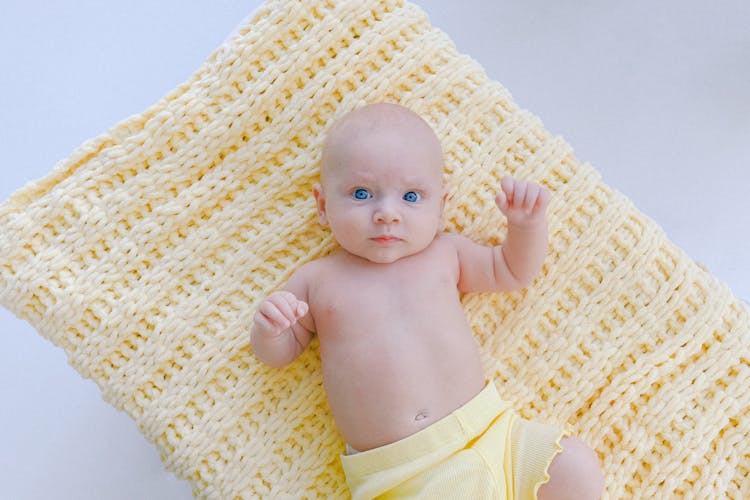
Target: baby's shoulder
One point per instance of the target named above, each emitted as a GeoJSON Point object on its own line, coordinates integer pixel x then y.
{"type": "Point", "coordinates": [304, 278]}
{"type": "Point", "coordinates": [308, 270]}
{"type": "Point", "coordinates": [447, 241]}
{"type": "Point", "coordinates": [452, 245]}
{"type": "Point", "coordinates": [455, 241]}
{"type": "Point", "coordinates": [444, 247]}
{"type": "Point", "coordinates": [314, 268]}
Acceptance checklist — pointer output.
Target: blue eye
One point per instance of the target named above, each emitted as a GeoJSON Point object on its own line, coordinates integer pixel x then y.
{"type": "Point", "coordinates": [412, 197]}
{"type": "Point", "coordinates": [361, 194]}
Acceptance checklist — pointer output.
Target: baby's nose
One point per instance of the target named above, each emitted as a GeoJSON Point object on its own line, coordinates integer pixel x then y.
{"type": "Point", "coordinates": [386, 214]}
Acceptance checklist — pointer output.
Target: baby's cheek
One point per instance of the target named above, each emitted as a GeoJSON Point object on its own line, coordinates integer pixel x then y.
{"type": "Point", "coordinates": [347, 234]}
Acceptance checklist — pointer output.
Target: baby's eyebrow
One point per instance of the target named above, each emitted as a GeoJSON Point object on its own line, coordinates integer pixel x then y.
{"type": "Point", "coordinates": [415, 181]}
{"type": "Point", "coordinates": [363, 178]}
{"type": "Point", "coordinates": [406, 181]}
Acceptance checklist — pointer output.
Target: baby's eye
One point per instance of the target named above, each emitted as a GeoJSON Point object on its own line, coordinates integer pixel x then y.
{"type": "Point", "coordinates": [412, 197]}
{"type": "Point", "coordinates": [361, 194]}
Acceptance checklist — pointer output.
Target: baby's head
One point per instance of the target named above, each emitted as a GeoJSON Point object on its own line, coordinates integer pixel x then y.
{"type": "Point", "coordinates": [381, 189]}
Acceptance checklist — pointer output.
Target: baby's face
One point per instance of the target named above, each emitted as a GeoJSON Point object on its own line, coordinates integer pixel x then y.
{"type": "Point", "coordinates": [382, 192]}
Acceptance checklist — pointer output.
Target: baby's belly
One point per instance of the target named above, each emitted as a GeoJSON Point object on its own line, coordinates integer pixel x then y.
{"type": "Point", "coordinates": [383, 389]}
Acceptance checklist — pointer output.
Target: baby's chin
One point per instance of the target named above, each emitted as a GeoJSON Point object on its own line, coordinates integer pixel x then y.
{"type": "Point", "coordinates": [384, 260]}
{"type": "Point", "coordinates": [387, 257]}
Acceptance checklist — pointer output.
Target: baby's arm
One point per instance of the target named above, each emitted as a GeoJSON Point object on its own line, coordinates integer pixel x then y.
{"type": "Point", "coordinates": [516, 263]}
{"type": "Point", "coordinates": [279, 334]}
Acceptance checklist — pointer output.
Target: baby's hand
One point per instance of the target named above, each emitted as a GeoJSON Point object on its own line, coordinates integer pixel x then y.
{"type": "Point", "coordinates": [279, 311]}
{"type": "Point", "coordinates": [523, 203]}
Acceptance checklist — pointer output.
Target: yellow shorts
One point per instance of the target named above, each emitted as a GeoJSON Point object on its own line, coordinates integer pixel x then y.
{"type": "Point", "coordinates": [482, 450]}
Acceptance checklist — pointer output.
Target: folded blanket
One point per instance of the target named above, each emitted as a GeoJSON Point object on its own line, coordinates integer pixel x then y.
{"type": "Point", "coordinates": [143, 256]}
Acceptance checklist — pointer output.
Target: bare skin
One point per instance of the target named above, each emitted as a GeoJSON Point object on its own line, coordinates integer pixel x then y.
{"type": "Point", "coordinates": [397, 353]}
{"type": "Point", "coordinates": [393, 348]}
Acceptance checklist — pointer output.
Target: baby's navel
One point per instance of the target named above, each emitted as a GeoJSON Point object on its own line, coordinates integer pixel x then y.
{"type": "Point", "coordinates": [421, 416]}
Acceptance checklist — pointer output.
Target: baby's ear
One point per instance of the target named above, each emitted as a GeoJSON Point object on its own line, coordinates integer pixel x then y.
{"type": "Point", "coordinates": [320, 200]}
{"type": "Point", "coordinates": [442, 210]}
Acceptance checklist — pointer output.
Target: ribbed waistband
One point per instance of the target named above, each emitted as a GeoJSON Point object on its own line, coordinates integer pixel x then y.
{"type": "Point", "coordinates": [442, 437]}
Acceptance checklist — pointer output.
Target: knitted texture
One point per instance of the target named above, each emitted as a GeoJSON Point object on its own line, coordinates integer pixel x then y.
{"type": "Point", "coordinates": [144, 254]}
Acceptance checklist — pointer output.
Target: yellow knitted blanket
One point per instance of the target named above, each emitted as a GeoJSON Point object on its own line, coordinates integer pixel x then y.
{"type": "Point", "coordinates": [144, 253]}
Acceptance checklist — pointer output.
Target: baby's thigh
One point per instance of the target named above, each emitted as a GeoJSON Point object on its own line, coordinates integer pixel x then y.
{"type": "Point", "coordinates": [549, 464]}
{"type": "Point", "coordinates": [574, 473]}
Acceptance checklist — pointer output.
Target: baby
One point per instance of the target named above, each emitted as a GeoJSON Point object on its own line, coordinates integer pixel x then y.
{"type": "Point", "coordinates": [400, 365]}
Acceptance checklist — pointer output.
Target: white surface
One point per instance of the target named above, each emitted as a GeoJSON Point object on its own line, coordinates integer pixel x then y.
{"type": "Point", "coordinates": [655, 95]}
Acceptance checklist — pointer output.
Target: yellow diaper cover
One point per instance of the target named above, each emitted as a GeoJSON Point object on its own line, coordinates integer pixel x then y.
{"type": "Point", "coordinates": [483, 450]}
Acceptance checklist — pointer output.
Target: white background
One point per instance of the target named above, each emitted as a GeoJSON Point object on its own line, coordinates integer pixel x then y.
{"type": "Point", "coordinates": [656, 95]}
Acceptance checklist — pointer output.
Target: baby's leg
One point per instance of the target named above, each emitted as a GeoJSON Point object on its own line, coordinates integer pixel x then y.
{"type": "Point", "coordinates": [552, 464]}
{"type": "Point", "coordinates": [574, 473]}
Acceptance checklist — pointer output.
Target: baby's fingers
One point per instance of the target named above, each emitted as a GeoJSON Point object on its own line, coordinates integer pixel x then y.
{"type": "Point", "coordinates": [543, 198]}
{"type": "Point", "coordinates": [275, 315]}
{"type": "Point", "coordinates": [516, 191]}
{"type": "Point", "coordinates": [508, 185]}
{"type": "Point", "coordinates": [506, 196]}
{"type": "Point", "coordinates": [501, 200]}
{"type": "Point", "coordinates": [301, 309]}
{"type": "Point", "coordinates": [291, 307]}
{"type": "Point", "coordinates": [522, 196]}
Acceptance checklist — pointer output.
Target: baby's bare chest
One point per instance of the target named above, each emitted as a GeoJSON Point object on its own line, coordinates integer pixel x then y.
{"type": "Point", "coordinates": [365, 297]}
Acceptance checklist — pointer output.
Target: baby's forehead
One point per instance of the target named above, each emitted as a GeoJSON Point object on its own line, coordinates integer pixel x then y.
{"type": "Point", "coordinates": [398, 175]}
{"type": "Point", "coordinates": [376, 130]}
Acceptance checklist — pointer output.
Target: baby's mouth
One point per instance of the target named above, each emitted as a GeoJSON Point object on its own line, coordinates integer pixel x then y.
{"type": "Point", "coordinates": [385, 239]}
